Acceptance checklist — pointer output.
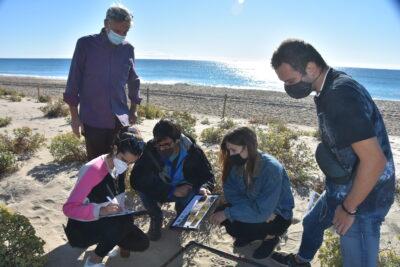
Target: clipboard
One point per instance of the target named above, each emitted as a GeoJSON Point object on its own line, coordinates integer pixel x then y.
{"type": "Point", "coordinates": [195, 211]}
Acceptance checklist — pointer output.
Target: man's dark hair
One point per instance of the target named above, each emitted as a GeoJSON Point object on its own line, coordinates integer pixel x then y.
{"type": "Point", "coordinates": [297, 54]}
{"type": "Point", "coordinates": [166, 128]}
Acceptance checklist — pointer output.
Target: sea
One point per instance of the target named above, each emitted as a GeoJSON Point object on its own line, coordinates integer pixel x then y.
{"type": "Point", "coordinates": [381, 83]}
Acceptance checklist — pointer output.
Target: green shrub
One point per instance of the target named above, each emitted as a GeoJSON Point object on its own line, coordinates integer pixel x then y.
{"type": "Point", "coordinates": [8, 92]}
{"type": "Point", "coordinates": [213, 158]}
{"type": "Point", "coordinates": [19, 245]}
{"type": "Point", "coordinates": [68, 148]}
{"type": "Point", "coordinates": [329, 253]}
{"type": "Point", "coordinates": [15, 98]}
{"type": "Point", "coordinates": [205, 121]}
{"type": "Point", "coordinates": [296, 156]}
{"type": "Point", "coordinates": [389, 258]}
{"type": "Point", "coordinates": [212, 135]}
{"type": "Point", "coordinates": [150, 112]}
{"type": "Point", "coordinates": [226, 124]}
{"type": "Point", "coordinates": [265, 120]}
{"type": "Point", "coordinates": [7, 162]}
{"type": "Point", "coordinates": [44, 99]}
{"type": "Point", "coordinates": [186, 121]}
{"type": "Point", "coordinates": [24, 141]}
{"type": "Point", "coordinates": [5, 121]}
{"type": "Point", "coordinates": [55, 109]}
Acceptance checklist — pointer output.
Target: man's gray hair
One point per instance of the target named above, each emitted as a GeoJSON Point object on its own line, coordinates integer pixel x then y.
{"type": "Point", "coordinates": [118, 13]}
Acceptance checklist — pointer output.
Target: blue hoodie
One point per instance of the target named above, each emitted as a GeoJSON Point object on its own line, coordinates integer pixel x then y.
{"type": "Point", "coordinates": [269, 192]}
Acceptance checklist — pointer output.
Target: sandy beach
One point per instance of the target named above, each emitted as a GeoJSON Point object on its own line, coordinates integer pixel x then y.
{"type": "Point", "coordinates": [40, 186]}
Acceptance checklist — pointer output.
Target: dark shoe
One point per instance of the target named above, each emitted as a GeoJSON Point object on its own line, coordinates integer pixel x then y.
{"type": "Point", "coordinates": [240, 242]}
{"type": "Point", "coordinates": [124, 253]}
{"type": "Point", "coordinates": [288, 259]}
{"type": "Point", "coordinates": [266, 248]}
{"type": "Point", "coordinates": [154, 232]}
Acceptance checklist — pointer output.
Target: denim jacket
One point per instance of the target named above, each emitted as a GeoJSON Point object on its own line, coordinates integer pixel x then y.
{"type": "Point", "coordinates": [269, 192]}
{"type": "Point", "coordinates": [347, 114]}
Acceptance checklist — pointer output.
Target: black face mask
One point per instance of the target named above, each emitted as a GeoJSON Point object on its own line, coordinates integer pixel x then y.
{"type": "Point", "coordinates": [166, 153]}
{"type": "Point", "coordinates": [237, 160]}
{"type": "Point", "coordinates": [299, 90]}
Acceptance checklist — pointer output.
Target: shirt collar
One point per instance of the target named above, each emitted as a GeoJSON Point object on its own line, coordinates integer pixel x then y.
{"type": "Point", "coordinates": [323, 83]}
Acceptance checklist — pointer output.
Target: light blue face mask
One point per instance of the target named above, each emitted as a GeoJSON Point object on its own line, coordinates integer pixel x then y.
{"type": "Point", "coordinates": [115, 38]}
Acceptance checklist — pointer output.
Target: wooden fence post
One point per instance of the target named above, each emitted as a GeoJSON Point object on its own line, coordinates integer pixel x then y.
{"type": "Point", "coordinates": [224, 107]}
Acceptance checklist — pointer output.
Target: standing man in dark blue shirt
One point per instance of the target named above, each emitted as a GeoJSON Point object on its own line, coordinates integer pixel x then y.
{"type": "Point", "coordinates": [355, 156]}
{"type": "Point", "coordinates": [102, 65]}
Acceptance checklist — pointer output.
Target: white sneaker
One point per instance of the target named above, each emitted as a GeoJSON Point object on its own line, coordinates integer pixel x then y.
{"type": "Point", "coordinates": [114, 252]}
{"type": "Point", "coordinates": [90, 264]}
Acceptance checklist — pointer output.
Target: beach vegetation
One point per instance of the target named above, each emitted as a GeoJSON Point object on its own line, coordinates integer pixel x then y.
{"type": "Point", "coordinates": [23, 143]}
{"type": "Point", "coordinates": [19, 244]}
{"type": "Point", "coordinates": [150, 112]}
{"type": "Point", "coordinates": [329, 253]}
{"type": "Point", "coordinates": [185, 120]}
{"type": "Point", "coordinates": [44, 99]}
{"type": "Point", "coordinates": [212, 135]}
{"type": "Point", "coordinates": [55, 109]}
{"type": "Point", "coordinates": [5, 121]}
{"type": "Point", "coordinates": [15, 98]}
{"type": "Point", "coordinates": [68, 148]}
{"type": "Point", "coordinates": [284, 144]}
{"type": "Point", "coordinates": [205, 121]}
{"type": "Point", "coordinates": [226, 124]}
{"type": "Point", "coordinates": [265, 120]}
{"type": "Point", "coordinates": [7, 162]}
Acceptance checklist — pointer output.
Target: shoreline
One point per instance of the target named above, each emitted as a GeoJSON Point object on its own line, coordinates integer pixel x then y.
{"type": "Point", "coordinates": [241, 103]}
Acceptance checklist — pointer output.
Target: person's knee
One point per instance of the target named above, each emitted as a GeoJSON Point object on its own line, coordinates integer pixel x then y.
{"type": "Point", "coordinates": [142, 244]}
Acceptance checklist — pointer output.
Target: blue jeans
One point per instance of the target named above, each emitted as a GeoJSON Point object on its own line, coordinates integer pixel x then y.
{"type": "Point", "coordinates": [359, 246]}
{"type": "Point", "coordinates": [154, 207]}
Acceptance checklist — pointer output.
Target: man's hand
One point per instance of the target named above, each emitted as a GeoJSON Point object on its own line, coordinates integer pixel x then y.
{"type": "Point", "coordinates": [217, 218]}
{"type": "Point", "coordinates": [133, 116]}
{"type": "Point", "coordinates": [183, 190]}
{"type": "Point", "coordinates": [342, 220]}
{"type": "Point", "coordinates": [77, 126]}
{"type": "Point", "coordinates": [109, 209]}
{"type": "Point", "coordinates": [204, 191]}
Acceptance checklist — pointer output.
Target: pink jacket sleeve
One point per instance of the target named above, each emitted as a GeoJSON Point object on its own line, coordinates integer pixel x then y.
{"type": "Point", "coordinates": [89, 176]}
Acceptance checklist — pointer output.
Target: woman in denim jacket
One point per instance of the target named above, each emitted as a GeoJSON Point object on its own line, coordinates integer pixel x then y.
{"type": "Point", "coordinates": [257, 191]}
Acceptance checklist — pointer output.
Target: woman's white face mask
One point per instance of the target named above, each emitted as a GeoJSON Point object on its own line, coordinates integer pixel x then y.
{"type": "Point", "coordinates": [120, 167]}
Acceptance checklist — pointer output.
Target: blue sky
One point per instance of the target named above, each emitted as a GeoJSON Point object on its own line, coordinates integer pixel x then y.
{"type": "Point", "coordinates": [347, 33]}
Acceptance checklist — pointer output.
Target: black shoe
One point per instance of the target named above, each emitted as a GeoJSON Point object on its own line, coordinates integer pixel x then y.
{"type": "Point", "coordinates": [154, 232]}
{"type": "Point", "coordinates": [266, 248]}
{"type": "Point", "coordinates": [240, 242]}
{"type": "Point", "coordinates": [288, 259]}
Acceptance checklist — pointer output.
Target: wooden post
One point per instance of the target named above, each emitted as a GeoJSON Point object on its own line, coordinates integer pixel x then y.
{"type": "Point", "coordinates": [38, 92]}
{"type": "Point", "coordinates": [224, 107]}
{"type": "Point", "coordinates": [147, 96]}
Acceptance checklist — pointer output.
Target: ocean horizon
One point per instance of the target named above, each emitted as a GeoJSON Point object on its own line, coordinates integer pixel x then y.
{"type": "Point", "coordinates": [382, 84]}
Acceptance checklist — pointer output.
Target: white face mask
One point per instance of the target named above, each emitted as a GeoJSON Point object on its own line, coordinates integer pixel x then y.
{"type": "Point", "coordinates": [119, 167]}
{"type": "Point", "coordinates": [115, 38]}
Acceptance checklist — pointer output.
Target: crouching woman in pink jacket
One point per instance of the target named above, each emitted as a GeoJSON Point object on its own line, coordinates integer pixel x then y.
{"type": "Point", "coordinates": [87, 207]}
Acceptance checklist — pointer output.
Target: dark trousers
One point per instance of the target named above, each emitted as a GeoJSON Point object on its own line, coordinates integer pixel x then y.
{"type": "Point", "coordinates": [255, 231]}
{"type": "Point", "coordinates": [107, 233]}
{"type": "Point", "coordinates": [98, 140]}
{"type": "Point", "coordinates": [153, 207]}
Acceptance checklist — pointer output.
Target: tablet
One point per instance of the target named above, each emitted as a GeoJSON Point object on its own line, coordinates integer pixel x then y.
{"type": "Point", "coordinates": [195, 211]}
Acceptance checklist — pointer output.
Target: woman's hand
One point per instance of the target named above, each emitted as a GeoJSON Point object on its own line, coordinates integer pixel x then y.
{"type": "Point", "coordinates": [109, 209]}
{"type": "Point", "coordinates": [218, 217]}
